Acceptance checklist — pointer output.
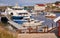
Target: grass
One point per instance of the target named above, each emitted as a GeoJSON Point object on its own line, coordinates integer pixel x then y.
{"type": "Point", "coordinates": [4, 33]}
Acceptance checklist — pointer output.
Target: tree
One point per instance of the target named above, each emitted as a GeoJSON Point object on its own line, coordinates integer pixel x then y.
{"type": "Point", "coordinates": [57, 2]}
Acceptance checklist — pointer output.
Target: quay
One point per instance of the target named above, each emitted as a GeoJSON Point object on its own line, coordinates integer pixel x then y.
{"type": "Point", "coordinates": [39, 35]}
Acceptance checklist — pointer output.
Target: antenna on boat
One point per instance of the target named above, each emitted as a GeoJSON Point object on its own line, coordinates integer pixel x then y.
{"type": "Point", "coordinates": [16, 4]}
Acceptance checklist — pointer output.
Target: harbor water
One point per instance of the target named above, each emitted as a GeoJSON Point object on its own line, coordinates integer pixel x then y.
{"type": "Point", "coordinates": [48, 22]}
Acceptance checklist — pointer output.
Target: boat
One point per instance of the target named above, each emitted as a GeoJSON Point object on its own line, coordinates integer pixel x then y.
{"type": "Point", "coordinates": [50, 15]}
{"type": "Point", "coordinates": [33, 12]}
{"type": "Point", "coordinates": [18, 18]}
{"type": "Point", "coordinates": [33, 22]}
{"type": "Point", "coordinates": [17, 14]}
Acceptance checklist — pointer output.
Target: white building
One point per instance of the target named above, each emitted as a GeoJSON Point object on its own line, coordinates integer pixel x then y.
{"type": "Point", "coordinates": [39, 7]}
{"type": "Point", "coordinates": [58, 5]}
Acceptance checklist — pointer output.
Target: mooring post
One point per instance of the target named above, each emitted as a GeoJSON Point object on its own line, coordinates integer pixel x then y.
{"type": "Point", "coordinates": [47, 28]}
{"type": "Point", "coordinates": [36, 29]}
{"type": "Point", "coordinates": [52, 25]}
{"type": "Point", "coordinates": [30, 28]}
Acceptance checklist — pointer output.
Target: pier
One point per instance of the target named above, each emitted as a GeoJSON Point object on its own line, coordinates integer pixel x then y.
{"type": "Point", "coordinates": [39, 35]}
{"type": "Point", "coordinates": [19, 28]}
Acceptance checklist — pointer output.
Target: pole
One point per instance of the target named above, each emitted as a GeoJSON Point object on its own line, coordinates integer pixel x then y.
{"type": "Point", "coordinates": [52, 25]}
{"type": "Point", "coordinates": [56, 25]}
{"type": "Point", "coordinates": [47, 28]}
{"type": "Point", "coordinates": [36, 29]}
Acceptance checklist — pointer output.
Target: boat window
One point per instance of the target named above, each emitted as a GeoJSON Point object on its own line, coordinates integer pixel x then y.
{"type": "Point", "coordinates": [36, 21]}
{"type": "Point", "coordinates": [11, 13]}
{"type": "Point", "coordinates": [40, 30]}
{"type": "Point", "coordinates": [32, 20]}
{"type": "Point", "coordinates": [17, 17]}
{"type": "Point", "coordinates": [21, 18]}
{"type": "Point", "coordinates": [26, 19]}
{"type": "Point", "coordinates": [22, 13]}
{"type": "Point", "coordinates": [17, 9]}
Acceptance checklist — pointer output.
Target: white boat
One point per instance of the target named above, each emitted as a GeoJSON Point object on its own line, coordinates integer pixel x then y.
{"type": "Point", "coordinates": [50, 15]}
{"type": "Point", "coordinates": [18, 17]}
{"type": "Point", "coordinates": [33, 22]}
{"type": "Point", "coordinates": [33, 12]}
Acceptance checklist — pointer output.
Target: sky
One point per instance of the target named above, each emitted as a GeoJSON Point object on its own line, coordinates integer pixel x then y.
{"type": "Point", "coordinates": [25, 2]}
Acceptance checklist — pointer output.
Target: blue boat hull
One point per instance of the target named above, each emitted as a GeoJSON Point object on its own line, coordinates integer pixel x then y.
{"type": "Point", "coordinates": [18, 19]}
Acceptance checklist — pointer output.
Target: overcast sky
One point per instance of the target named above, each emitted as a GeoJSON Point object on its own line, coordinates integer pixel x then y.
{"type": "Point", "coordinates": [25, 2]}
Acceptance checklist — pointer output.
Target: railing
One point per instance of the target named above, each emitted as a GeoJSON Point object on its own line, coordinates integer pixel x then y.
{"type": "Point", "coordinates": [45, 29]}
{"type": "Point", "coordinates": [30, 29]}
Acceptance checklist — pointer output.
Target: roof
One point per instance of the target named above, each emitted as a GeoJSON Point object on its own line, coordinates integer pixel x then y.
{"type": "Point", "coordinates": [57, 19]}
{"type": "Point", "coordinates": [40, 4]}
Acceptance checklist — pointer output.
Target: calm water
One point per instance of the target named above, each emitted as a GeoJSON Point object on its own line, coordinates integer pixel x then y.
{"type": "Point", "coordinates": [48, 22]}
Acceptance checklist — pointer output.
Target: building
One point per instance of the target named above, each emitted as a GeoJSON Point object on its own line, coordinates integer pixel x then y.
{"type": "Point", "coordinates": [58, 5]}
{"type": "Point", "coordinates": [39, 7]}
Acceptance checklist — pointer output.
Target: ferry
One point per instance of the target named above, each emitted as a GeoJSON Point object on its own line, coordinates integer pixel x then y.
{"type": "Point", "coordinates": [18, 17]}
{"type": "Point", "coordinates": [17, 14]}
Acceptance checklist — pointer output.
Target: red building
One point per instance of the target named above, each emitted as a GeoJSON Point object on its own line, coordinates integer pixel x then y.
{"type": "Point", "coordinates": [40, 4]}
{"type": "Point", "coordinates": [57, 20]}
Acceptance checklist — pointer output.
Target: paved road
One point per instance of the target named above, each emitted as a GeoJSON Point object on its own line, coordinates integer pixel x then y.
{"type": "Point", "coordinates": [39, 35]}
